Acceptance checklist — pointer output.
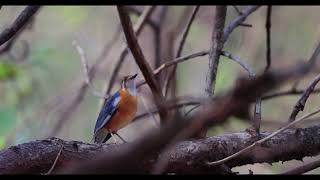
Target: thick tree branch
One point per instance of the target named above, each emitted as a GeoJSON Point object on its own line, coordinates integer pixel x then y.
{"type": "Point", "coordinates": [186, 157]}
{"type": "Point", "coordinates": [19, 22]}
{"type": "Point", "coordinates": [216, 47]}
{"type": "Point", "coordinates": [140, 59]}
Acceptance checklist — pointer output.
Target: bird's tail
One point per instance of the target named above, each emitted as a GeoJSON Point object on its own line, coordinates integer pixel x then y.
{"type": "Point", "coordinates": [101, 137]}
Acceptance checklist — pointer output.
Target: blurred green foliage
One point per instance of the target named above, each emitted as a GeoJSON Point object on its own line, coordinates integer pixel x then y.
{"type": "Point", "coordinates": [7, 70]}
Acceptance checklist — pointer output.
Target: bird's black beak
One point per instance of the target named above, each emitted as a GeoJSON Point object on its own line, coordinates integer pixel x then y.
{"type": "Point", "coordinates": [133, 76]}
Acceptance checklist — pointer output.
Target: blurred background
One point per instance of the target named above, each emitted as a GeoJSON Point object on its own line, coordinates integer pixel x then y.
{"type": "Point", "coordinates": [42, 72]}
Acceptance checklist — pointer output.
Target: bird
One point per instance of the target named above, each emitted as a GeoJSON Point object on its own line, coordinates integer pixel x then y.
{"type": "Point", "coordinates": [117, 112]}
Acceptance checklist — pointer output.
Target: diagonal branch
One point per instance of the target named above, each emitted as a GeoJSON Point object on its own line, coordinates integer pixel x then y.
{"type": "Point", "coordinates": [181, 45]}
{"type": "Point", "coordinates": [19, 22]}
{"type": "Point", "coordinates": [124, 48]}
{"type": "Point", "coordinates": [299, 106]}
{"type": "Point", "coordinates": [238, 21]}
{"type": "Point", "coordinates": [140, 59]}
{"type": "Point", "coordinates": [217, 44]}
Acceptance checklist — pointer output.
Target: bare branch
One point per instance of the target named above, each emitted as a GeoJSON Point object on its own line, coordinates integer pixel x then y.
{"type": "Point", "coordinates": [180, 47]}
{"type": "Point", "coordinates": [86, 71]}
{"type": "Point", "coordinates": [124, 48]}
{"type": "Point", "coordinates": [304, 168]}
{"type": "Point", "coordinates": [268, 33]}
{"type": "Point", "coordinates": [81, 91]}
{"type": "Point", "coordinates": [286, 93]}
{"type": "Point", "coordinates": [19, 22]}
{"type": "Point", "coordinates": [175, 103]}
{"type": "Point", "coordinates": [237, 21]}
{"type": "Point", "coordinates": [140, 59]}
{"type": "Point", "coordinates": [299, 106]}
{"type": "Point", "coordinates": [262, 140]}
{"type": "Point", "coordinates": [151, 21]}
{"type": "Point", "coordinates": [217, 44]}
{"type": "Point", "coordinates": [240, 62]}
{"type": "Point", "coordinates": [38, 156]}
{"type": "Point", "coordinates": [237, 10]}
{"type": "Point", "coordinates": [199, 54]}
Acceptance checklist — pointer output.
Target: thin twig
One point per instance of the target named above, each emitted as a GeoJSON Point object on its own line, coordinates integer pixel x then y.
{"type": "Point", "coordinates": [237, 10]}
{"type": "Point", "coordinates": [287, 93]}
{"type": "Point", "coordinates": [84, 62]}
{"type": "Point", "coordinates": [180, 47]}
{"type": "Point", "coordinates": [19, 22]}
{"type": "Point", "coordinates": [169, 105]}
{"type": "Point", "coordinates": [268, 34]}
{"type": "Point", "coordinates": [200, 54]}
{"type": "Point", "coordinates": [151, 114]}
{"type": "Point", "coordinates": [245, 25]}
{"type": "Point", "coordinates": [237, 21]}
{"type": "Point", "coordinates": [140, 60]}
{"type": "Point", "coordinates": [76, 101]}
{"type": "Point", "coordinates": [262, 140]}
{"type": "Point", "coordinates": [240, 62]}
{"type": "Point", "coordinates": [304, 168]}
{"type": "Point", "coordinates": [55, 162]}
{"type": "Point", "coordinates": [157, 37]}
{"type": "Point", "coordinates": [192, 109]}
{"type": "Point", "coordinates": [299, 106]}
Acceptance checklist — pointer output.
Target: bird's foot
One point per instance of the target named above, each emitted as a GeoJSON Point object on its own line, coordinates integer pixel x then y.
{"type": "Point", "coordinates": [124, 141]}
{"type": "Point", "coordinates": [253, 132]}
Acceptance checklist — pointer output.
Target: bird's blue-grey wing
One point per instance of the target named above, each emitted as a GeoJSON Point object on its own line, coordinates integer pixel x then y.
{"type": "Point", "coordinates": [108, 110]}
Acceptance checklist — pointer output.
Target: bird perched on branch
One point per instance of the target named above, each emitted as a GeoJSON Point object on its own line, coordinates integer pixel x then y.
{"type": "Point", "coordinates": [117, 112]}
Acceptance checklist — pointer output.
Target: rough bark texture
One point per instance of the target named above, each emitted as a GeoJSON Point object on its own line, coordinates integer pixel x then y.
{"type": "Point", "coordinates": [187, 156]}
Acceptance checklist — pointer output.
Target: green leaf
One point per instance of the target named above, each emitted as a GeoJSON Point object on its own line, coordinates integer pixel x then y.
{"type": "Point", "coordinates": [7, 70]}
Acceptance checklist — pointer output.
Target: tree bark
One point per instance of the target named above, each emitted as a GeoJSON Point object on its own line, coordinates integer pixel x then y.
{"type": "Point", "coordinates": [186, 158]}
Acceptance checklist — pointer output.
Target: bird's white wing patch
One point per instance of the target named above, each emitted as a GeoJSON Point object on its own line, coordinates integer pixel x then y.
{"type": "Point", "coordinates": [116, 101]}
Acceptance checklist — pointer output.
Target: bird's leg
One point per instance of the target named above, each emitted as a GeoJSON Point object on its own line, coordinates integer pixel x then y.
{"type": "Point", "coordinates": [114, 139]}
{"type": "Point", "coordinates": [120, 137]}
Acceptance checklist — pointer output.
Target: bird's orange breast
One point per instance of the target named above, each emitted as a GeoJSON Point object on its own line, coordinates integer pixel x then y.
{"type": "Point", "coordinates": [126, 111]}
